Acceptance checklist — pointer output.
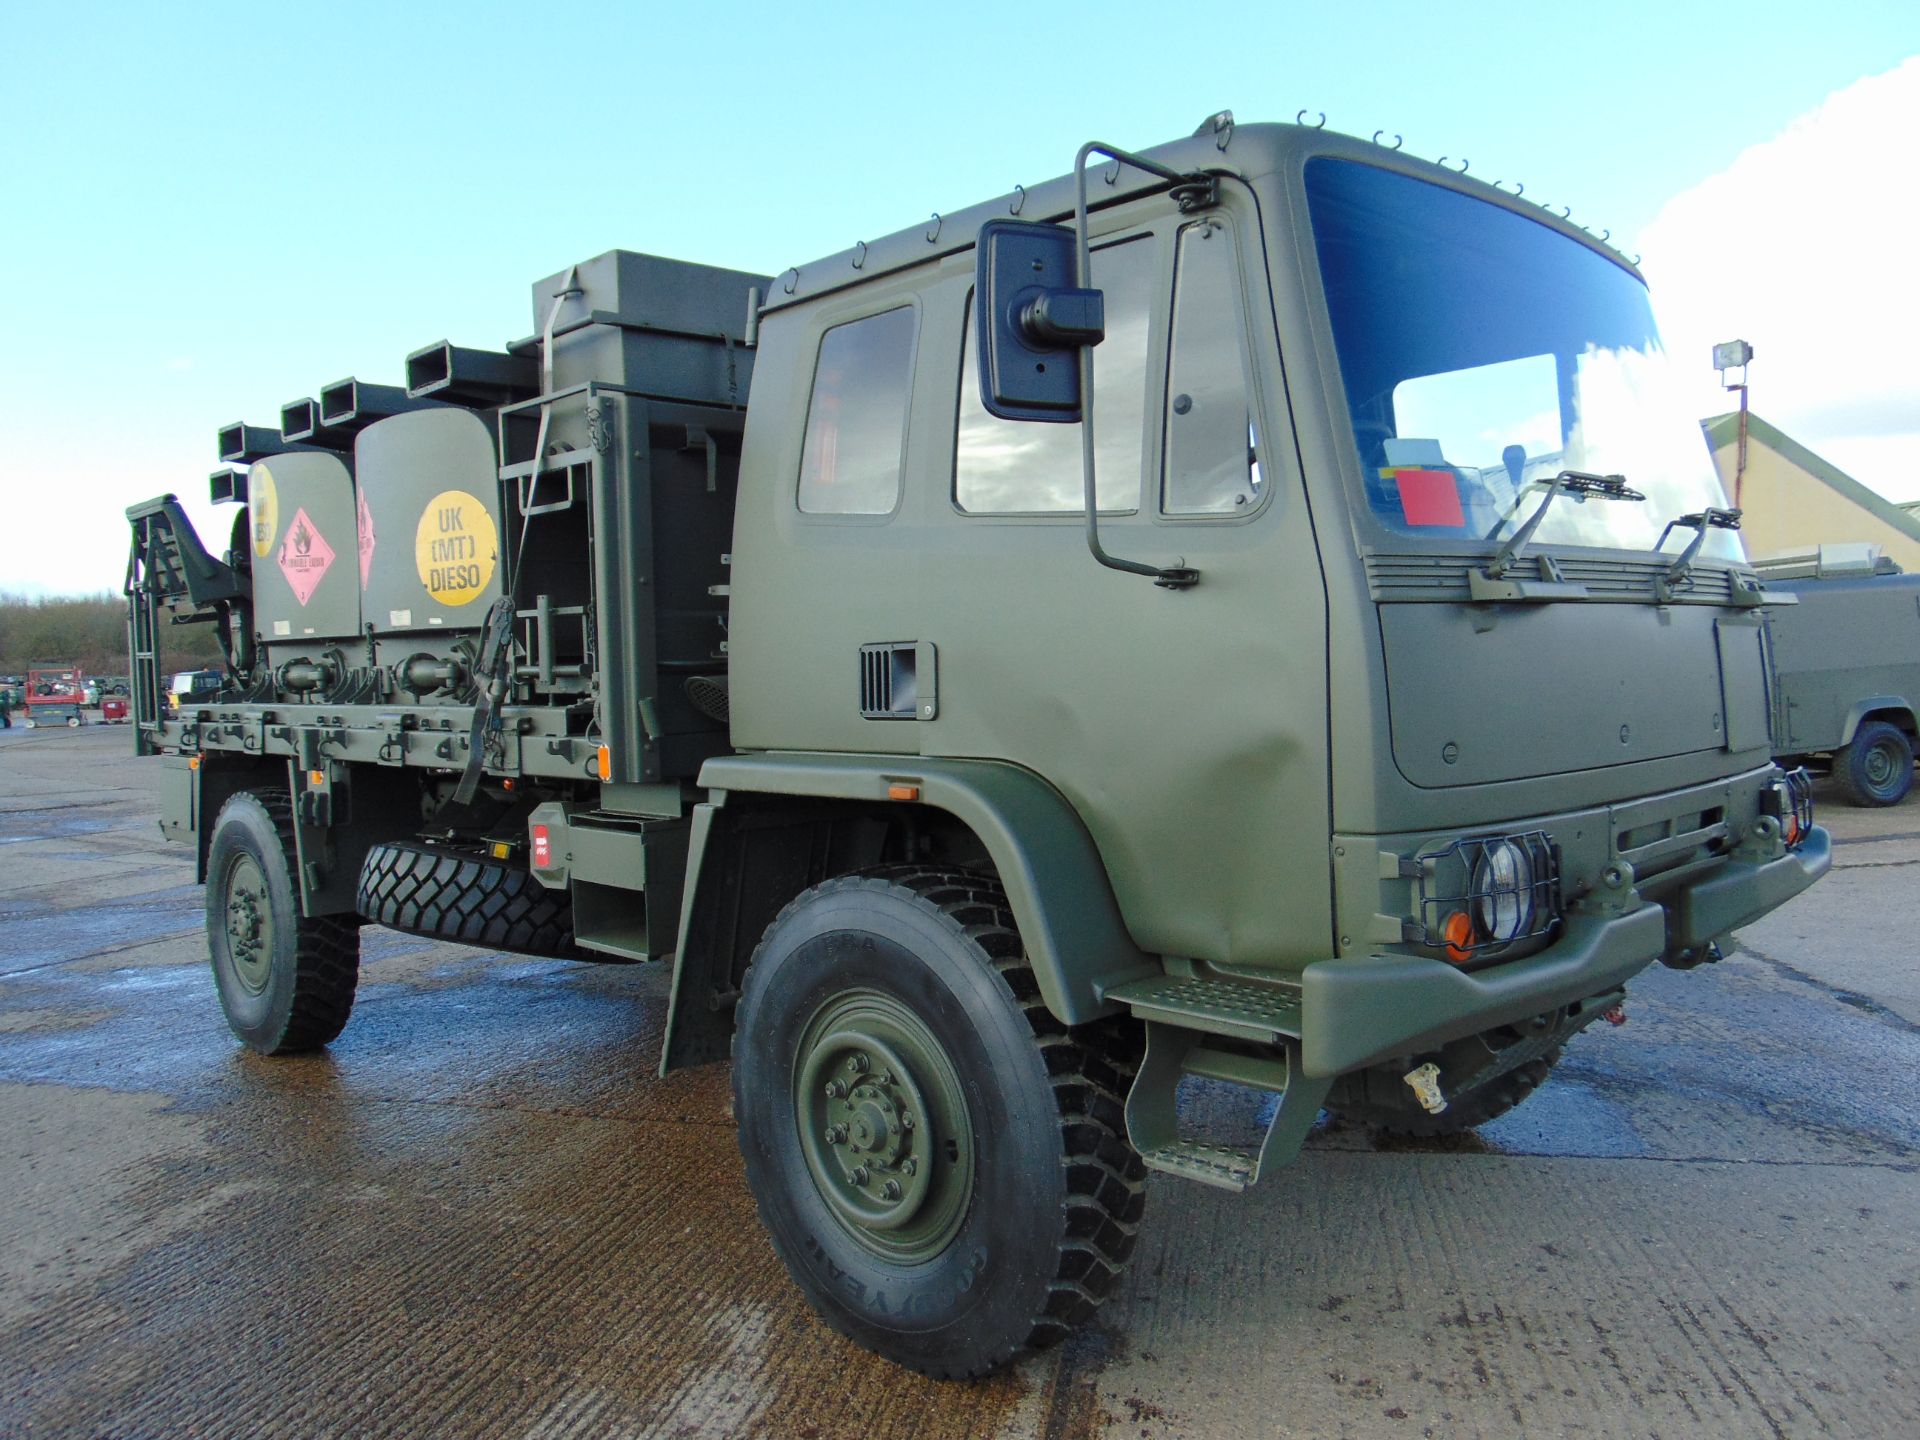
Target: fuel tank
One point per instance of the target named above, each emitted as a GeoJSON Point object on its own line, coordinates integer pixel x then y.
{"type": "Point", "coordinates": [304, 539]}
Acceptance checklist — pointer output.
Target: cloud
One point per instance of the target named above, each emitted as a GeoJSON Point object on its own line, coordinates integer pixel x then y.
{"type": "Point", "coordinates": [1806, 246]}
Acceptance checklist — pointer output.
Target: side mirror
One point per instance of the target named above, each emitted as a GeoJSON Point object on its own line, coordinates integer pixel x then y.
{"type": "Point", "coordinates": [1032, 321]}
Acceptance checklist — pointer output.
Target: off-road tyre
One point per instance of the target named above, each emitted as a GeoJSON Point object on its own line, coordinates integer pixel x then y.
{"type": "Point", "coordinates": [1051, 1193]}
{"type": "Point", "coordinates": [1876, 766]}
{"type": "Point", "coordinates": [1383, 1102]}
{"type": "Point", "coordinates": [448, 894]}
{"type": "Point", "coordinates": [288, 987]}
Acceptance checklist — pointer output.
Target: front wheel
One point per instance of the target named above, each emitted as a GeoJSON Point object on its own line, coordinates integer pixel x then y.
{"type": "Point", "coordinates": [1876, 766]}
{"type": "Point", "coordinates": [941, 1165]}
{"type": "Point", "coordinates": [286, 980]}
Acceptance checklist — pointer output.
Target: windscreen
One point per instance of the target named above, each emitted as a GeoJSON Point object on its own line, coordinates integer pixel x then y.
{"type": "Point", "coordinates": [1483, 353]}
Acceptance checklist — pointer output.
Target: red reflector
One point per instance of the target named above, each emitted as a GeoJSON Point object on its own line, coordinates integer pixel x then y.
{"type": "Point", "coordinates": [1430, 497]}
{"type": "Point", "coordinates": [542, 848]}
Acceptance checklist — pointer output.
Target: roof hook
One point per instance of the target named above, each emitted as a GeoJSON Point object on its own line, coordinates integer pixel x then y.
{"type": "Point", "coordinates": [1321, 124]}
{"type": "Point", "coordinates": [859, 254]}
{"type": "Point", "coordinates": [1220, 126]}
{"type": "Point", "coordinates": [1397, 141]}
{"type": "Point", "coordinates": [1605, 236]}
{"type": "Point", "coordinates": [1565, 213]}
{"type": "Point", "coordinates": [789, 280]}
{"type": "Point", "coordinates": [1019, 200]}
{"type": "Point", "coordinates": [933, 230]}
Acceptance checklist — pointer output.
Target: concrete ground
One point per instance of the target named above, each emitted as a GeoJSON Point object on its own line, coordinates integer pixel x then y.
{"type": "Point", "coordinates": [480, 1214]}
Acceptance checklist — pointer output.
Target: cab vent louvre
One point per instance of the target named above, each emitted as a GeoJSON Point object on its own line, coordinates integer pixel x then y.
{"type": "Point", "coordinates": [887, 681]}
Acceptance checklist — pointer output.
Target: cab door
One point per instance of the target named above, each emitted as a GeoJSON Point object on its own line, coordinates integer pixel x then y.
{"type": "Point", "coordinates": [1188, 727]}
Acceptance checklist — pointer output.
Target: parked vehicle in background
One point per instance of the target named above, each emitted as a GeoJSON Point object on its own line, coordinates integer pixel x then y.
{"type": "Point", "coordinates": [56, 695]}
{"type": "Point", "coordinates": [1846, 669]}
{"type": "Point", "coordinates": [189, 686]}
{"type": "Point", "coordinates": [114, 709]}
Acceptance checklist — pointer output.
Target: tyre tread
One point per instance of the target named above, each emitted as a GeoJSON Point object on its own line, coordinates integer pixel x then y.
{"type": "Point", "coordinates": [1105, 1177]}
{"type": "Point", "coordinates": [444, 895]}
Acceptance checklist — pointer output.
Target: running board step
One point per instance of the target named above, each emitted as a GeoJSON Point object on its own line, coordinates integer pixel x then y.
{"type": "Point", "coordinates": [1175, 1052]}
{"type": "Point", "coordinates": [1243, 1009]}
{"type": "Point", "coordinates": [1225, 1167]}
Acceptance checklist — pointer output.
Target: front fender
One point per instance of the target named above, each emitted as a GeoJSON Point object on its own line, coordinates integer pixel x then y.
{"type": "Point", "coordinates": [1861, 709]}
{"type": "Point", "coordinates": [1055, 880]}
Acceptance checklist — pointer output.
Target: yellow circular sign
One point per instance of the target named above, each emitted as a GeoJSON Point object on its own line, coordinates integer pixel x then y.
{"type": "Point", "coordinates": [263, 510]}
{"type": "Point", "coordinates": [456, 547]}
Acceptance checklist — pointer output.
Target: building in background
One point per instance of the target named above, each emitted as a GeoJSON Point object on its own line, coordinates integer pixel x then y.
{"type": "Point", "coordinates": [1795, 501]}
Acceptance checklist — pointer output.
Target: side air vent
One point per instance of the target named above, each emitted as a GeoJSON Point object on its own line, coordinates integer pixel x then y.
{"type": "Point", "coordinates": [897, 681]}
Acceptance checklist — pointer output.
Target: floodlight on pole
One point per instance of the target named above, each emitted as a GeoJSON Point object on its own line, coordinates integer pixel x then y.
{"type": "Point", "coordinates": [1736, 355]}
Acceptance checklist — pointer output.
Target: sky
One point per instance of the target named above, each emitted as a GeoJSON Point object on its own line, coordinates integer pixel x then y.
{"type": "Point", "coordinates": [207, 210]}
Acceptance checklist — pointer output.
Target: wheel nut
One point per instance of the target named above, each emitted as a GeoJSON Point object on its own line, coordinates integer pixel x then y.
{"type": "Point", "coordinates": [836, 1134]}
{"type": "Point", "coordinates": [835, 1090]}
{"type": "Point", "coordinates": [860, 1176]}
{"type": "Point", "coordinates": [890, 1190]}
{"type": "Point", "coordinates": [906, 1121]}
{"type": "Point", "coordinates": [859, 1064]}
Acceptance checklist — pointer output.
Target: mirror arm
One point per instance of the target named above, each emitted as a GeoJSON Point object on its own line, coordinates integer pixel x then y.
{"type": "Point", "coordinates": [1177, 576]}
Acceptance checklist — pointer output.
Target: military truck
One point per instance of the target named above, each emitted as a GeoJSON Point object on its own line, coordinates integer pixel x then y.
{"type": "Point", "coordinates": [1846, 668]}
{"type": "Point", "coordinates": [1201, 619]}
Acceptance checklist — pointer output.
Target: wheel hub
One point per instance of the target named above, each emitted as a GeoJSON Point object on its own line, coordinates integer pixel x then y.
{"type": "Point", "coordinates": [884, 1126]}
{"type": "Point", "coordinates": [249, 924]}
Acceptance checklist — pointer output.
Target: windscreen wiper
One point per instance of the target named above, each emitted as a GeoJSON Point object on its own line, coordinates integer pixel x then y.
{"type": "Point", "coordinates": [1677, 574]}
{"type": "Point", "coordinates": [1578, 483]}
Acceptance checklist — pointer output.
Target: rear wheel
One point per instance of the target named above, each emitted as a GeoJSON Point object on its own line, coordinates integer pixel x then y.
{"type": "Point", "coordinates": [1876, 767]}
{"type": "Point", "coordinates": [286, 980]}
{"type": "Point", "coordinates": [941, 1165]}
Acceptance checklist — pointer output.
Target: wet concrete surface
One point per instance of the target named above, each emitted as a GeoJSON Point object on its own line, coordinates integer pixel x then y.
{"type": "Point", "coordinates": [480, 1213]}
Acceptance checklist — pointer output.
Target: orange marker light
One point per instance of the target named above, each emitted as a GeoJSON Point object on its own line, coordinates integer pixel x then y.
{"type": "Point", "coordinates": [903, 792]}
{"type": "Point", "coordinates": [317, 779]}
{"type": "Point", "coordinates": [1459, 934]}
{"type": "Point", "coordinates": [194, 763]}
{"type": "Point", "coordinates": [604, 763]}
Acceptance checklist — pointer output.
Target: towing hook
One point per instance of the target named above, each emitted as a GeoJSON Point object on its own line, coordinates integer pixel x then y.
{"type": "Point", "coordinates": [1616, 1015]}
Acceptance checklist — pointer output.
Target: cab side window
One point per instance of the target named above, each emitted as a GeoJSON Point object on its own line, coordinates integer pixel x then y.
{"type": "Point", "coordinates": [857, 419]}
{"type": "Point", "coordinates": [1210, 463]}
{"type": "Point", "coordinates": [1011, 467]}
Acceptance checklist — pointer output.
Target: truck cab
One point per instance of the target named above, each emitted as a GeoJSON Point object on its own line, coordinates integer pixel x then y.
{"type": "Point", "coordinates": [1372, 751]}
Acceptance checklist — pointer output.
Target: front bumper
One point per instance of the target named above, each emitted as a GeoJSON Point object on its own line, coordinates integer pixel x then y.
{"type": "Point", "coordinates": [1355, 1012]}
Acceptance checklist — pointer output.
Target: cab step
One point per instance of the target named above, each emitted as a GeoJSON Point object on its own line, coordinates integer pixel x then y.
{"type": "Point", "coordinates": [1175, 1052]}
{"type": "Point", "coordinates": [1247, 1010]}
{"type": "Point", "coordinates": [1226, 1167]}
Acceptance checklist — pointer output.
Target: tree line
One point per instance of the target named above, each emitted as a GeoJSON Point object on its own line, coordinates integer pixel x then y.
{"type": "Point", "coordinates": [89, 631]}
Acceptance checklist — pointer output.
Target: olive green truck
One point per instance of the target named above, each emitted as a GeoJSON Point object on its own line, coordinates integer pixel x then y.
{"type": "Point", "coordinates": [1846, 670]}
{"type": "Point", "coordinates": [1218, 616]}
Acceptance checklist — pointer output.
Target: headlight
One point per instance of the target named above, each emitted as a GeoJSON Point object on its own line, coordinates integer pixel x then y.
{"type": "Point", "coordinates": [1502, 890]}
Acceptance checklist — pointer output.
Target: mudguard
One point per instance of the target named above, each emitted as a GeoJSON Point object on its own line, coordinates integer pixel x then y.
{"type": "Point", "coordinates": [1055, 880]}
